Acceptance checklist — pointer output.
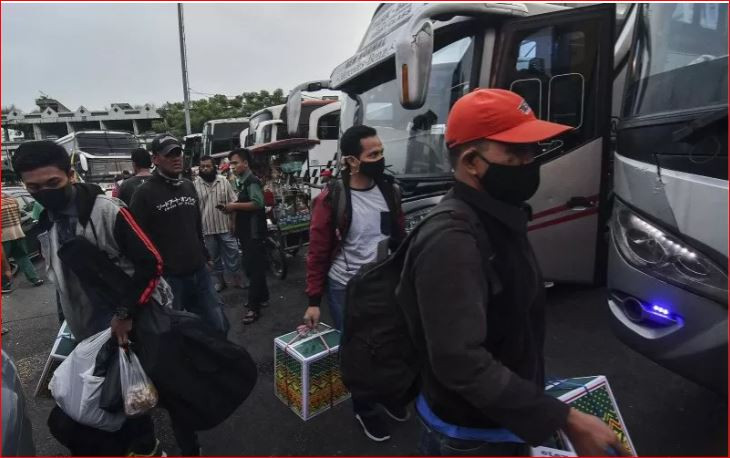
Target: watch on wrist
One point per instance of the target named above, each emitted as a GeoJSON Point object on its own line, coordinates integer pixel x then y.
{"type": "Point", "coordinates": [122, 314]}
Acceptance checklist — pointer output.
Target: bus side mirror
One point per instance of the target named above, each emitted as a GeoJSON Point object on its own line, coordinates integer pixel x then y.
{"type": "Point", "coordinates": [413, 53]}
{"type": "Point", "coordinates": [294, 102]}
{"type": "Point", "coordinates": [84, 163]}
{"type": "Point", "coordinates": [243, 137]}
{"type": "Point", "coordinates": [293, 111]}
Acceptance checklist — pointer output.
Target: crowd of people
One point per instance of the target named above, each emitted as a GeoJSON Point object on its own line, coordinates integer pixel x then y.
{"type": "Point", "coordinates": [478, 324]}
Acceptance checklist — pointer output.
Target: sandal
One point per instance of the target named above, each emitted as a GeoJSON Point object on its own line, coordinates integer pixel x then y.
{"type": "Point", "coordinates": [250, 317]}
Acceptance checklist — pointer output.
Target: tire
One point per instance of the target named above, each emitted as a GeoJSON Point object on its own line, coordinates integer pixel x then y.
{"type": "Point", "coordinates": [277, 257]}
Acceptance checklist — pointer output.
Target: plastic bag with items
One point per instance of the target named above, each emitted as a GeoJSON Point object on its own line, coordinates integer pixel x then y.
{"type": "Point", "coordinates": [77, 390]}
{"type": "Point", "coordinates": [138, 391]}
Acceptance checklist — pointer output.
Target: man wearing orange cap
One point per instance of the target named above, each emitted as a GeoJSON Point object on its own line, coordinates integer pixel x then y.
{"type": "Point", "coordinates": [473, 295]}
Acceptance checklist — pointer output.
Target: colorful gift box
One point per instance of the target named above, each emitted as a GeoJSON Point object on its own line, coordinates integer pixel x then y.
{"type": "Point", "coordinates": [307, 371]}
{"type": "Point", "coordinates": [591, 395]}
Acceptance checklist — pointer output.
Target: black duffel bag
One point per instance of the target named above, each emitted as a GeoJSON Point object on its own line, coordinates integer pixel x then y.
{"type": "Point", "coordinates": [201, 377]}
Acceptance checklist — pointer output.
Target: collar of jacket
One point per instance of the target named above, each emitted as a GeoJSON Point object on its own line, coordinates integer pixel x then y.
{"type": "Point", "coordinates": [166, 179]}
{"type": "Point", "coordinates": [511, 216]}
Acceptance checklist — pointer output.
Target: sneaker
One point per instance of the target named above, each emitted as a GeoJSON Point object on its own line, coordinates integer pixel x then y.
{"type": "Point", "coordinates": [374, 427]}
{"type": "Point", "coordinates": [400, 413]}
{"type": "Point", "coordinates": [7, 289]}
{"type": "Point", "coordinates": [220, 287]}
{"type": "Point", "coordinates": [38, 282]}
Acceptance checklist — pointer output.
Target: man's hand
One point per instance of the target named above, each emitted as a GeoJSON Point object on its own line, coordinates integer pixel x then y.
{"type": "Point", "coordinates": [591, 436]}
{"type": "Point", "coordinates": [229, 207]}
{"type": "Point", "coordinates": [121, 329]}
{"type": "Point", "coordinates": [311, 317]}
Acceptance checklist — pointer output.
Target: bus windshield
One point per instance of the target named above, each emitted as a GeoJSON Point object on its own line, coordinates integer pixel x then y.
{"type": "Point", "coordinates": [226, 136]}
{"type": "Point", "coordinates": [680, 59]}
{"type": "Point", "coordinates": [107, 144]}
{"type": "Point", "coordinates": [104, 170]}
{"type": "Point", "coordinates": [413, 139]}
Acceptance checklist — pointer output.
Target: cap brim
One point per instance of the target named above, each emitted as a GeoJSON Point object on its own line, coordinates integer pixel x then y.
{"type": "Point", "coordinates": [167, 149]}
{"type": "Point", "coordinates": [530, 132]}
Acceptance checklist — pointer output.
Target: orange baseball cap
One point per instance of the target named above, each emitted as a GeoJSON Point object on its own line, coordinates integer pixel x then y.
{"type": "Point", "coordinates": [499, 115]}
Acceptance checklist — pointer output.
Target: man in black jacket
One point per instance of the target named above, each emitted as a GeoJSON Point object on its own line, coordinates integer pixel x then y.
{"type": "Point", "coordinates": [480, 322]}
{"type": "Point", "coordinates": [167, 208]}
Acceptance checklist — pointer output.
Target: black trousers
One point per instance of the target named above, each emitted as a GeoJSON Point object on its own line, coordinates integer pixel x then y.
{"type": "Point", "coordinates": [255, 264]}
{"type": "Point", "coordinates": [137, 435]}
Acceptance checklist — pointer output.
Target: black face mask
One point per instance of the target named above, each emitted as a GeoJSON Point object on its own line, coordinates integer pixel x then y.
{"type": "Point", "coordinates": [513, 184]}
{"type": "Point", "coordinates": [208, 176]}
{"type": "Point", "coordinates": [53, 199]}
{"type": "Point", "coordinates": [373, 169]}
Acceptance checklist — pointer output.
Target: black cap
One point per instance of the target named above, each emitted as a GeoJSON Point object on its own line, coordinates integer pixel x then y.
{"type": "Point", "coordinates": [164, 143]}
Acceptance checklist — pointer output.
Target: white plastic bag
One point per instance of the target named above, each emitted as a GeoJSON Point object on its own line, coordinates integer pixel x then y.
{"type": "Point", "coordinates": [138, 392]}
{"type": "Point", "coordinates": [76, 389]}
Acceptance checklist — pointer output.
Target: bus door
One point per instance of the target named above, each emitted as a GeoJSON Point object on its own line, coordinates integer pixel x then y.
{"type": "Point", "coordinates": [561, 63]}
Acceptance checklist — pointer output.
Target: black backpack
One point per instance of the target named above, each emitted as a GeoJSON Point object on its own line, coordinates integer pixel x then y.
{"type": "Point", "coordinates": [378, 360]}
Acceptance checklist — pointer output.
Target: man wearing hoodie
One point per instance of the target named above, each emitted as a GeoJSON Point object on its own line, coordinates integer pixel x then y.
{"type": "Point", "coordinates": [168, 210]}
{"type": "Point", "coordinates": [81, 209]}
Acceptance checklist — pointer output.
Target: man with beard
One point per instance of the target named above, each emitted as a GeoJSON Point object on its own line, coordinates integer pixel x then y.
{"type": "Point", "coordinates": [214, 191]}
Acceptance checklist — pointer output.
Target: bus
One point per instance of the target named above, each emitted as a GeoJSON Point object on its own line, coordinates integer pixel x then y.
{"type": "Point", "coordinates": [667, 263]}
{"type": "Point", "coordinates": [98, 156]}
{"type": "Point", "coordinates": [572, 65]}
{"type": "Point", "coordinates": [220, 136]}
{"type": "Point", "coordinates": [318, 121]}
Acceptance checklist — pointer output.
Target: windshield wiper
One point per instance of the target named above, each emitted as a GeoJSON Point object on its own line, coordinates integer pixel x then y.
{"type": "Point", "coordinates": [699, 124]}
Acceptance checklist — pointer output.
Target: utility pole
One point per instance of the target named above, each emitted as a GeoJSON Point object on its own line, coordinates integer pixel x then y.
{"type": "Point", "coordinates": [183, 59]}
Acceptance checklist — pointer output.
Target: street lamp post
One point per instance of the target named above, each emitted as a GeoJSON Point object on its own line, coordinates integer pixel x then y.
{"type": "Point", "coordinates": [183, 59]}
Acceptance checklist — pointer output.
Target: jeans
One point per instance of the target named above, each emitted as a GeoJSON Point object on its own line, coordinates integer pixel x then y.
{"type": "Point", "coordinates": [336, 296]}
{"type": "Point", "coordinates": [223, 250]}
{"type": "Point", "coordinates": [16, 249]}
{"type": "Point", "coordinates": [254, 255]}
{"type": "Point", "coordinates": [196, 294]}
{"type": "Point", "coordinates": [433, 443]}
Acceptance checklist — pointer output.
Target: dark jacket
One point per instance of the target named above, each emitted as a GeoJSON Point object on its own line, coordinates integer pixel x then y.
{"type": "Point", "coordinates": [169, 212]}
{"type": "Point", "coordinates": [482, 353]}
{"type": "Point", "coordinates": [129, 186]}
{"type": "Point", "coordinates": [111, 227]}
{"type": "Point", "coordinates": [327, 231]}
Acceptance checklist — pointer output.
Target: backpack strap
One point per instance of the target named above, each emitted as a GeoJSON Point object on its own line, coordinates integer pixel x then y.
{"type": "Point", "coordinates": [454, 205]}
{"type": "Point", "coordinates": [338, 201]}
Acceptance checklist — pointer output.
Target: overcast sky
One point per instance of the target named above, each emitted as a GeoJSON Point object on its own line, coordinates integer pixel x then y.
{"type": "Point", "coordinates": [96, 54]}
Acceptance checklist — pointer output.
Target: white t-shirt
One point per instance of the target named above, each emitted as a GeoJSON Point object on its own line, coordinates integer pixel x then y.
{"type": "Point", "coordinates": [371, 223]}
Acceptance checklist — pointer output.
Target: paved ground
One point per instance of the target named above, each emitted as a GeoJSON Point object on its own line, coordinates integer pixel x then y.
{"type": "Point", "coordinates": [666, 415]}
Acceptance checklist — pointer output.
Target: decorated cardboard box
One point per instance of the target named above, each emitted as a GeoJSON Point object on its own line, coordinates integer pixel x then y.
{"type": "Point", "coordinates": [307, 370]}
{"type": "Point", "coordinates": [590, 395]}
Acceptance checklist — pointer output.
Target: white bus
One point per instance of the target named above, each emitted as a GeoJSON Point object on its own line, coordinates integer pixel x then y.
{"type": "Point", "coordinates": [319, 121]}
{"type": "Point", "coordinates": [98, 156]}
{"type": "Point", "coordinates": [220, 136]}
{"type": "Point", "coordinates": [571, 65]}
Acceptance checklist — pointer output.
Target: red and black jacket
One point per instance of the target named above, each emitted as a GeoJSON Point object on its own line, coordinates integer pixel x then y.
{"type": "Point", "coordinates": [331, 217]}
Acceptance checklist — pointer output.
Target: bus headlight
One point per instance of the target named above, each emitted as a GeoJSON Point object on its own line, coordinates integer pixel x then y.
{"type": "Point", "coordinates": [664, 256]}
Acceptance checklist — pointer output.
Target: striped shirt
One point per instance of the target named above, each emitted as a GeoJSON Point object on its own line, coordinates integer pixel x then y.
{"type": "Point", "coordinates": [218, 192]}
{"type": "Point", "coordinates": [11, 224]}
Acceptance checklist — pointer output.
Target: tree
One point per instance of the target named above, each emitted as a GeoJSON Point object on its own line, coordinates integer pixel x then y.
{"type": "Point", "coordinates": [216, 107]}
